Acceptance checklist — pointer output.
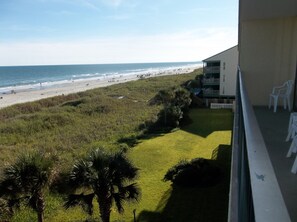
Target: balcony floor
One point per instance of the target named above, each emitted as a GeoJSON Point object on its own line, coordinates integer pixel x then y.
{"type": "Point", "coordinates": [274, 127]}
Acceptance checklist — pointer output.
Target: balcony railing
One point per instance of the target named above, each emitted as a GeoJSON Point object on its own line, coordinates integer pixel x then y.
{"type": "Point", "coordinates": [211, 81]}
{"type": "Point", "coordinates": [212, 69]}
{"type": "Point", "coordinates": [210, 92]}
{"type": "Point", "coordinates": [254, 191]}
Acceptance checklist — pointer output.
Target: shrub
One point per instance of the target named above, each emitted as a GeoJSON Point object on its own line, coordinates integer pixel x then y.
{"type": "Point", "coordinates": [170, 116]}
{"type": "Point", "coordinates": [176, 102]}
{"type": "Point", "coordinates": [198, 172]}
{"type": "Point", "coordinates": [130, 141]}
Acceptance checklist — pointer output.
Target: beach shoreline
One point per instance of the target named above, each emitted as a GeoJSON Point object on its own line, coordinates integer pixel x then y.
{"type": "Point", "coordinates": [30, 95]}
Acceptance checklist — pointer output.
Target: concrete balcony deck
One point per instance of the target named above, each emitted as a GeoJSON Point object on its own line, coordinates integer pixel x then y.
{"type": "Point", "coordinates": [274, 128]}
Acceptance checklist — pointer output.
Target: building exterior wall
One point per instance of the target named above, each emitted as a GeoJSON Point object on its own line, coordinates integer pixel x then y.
{"type": "Point", "coordinates": [268, 55]}
{"type": "Point", "coordinates": [229, 63]}
{"type": "Point", "coordinates": [228, 68]}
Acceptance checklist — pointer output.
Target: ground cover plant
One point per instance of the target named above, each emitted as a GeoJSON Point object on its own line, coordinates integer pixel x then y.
{"type": "Point", "coordinates": [68, 127]}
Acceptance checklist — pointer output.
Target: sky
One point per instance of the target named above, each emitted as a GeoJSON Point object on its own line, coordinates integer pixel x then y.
{"type": "Point", "coordinates": [49, 32]}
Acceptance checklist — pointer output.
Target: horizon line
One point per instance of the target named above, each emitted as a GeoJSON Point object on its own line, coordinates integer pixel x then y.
{"type": "Point", "coordinates": [116, 63]}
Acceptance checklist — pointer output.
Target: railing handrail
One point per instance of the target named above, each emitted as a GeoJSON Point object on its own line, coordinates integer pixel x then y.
{"type": "Point", "coordinates": [211, 80]}
{"type": "Point", "coordinates": [267, 201]}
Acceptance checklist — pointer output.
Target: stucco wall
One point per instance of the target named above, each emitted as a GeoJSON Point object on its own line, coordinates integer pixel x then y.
{"type": "Point", "coordinates": [268, 55]}
{"type": "Point", "coordinates": [228, 70]}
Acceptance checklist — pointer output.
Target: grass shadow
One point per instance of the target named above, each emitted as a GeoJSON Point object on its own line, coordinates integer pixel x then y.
{"type": "Point", "coordinates": [192, 204]}
{"type": "Point", "coordinates": [209, 121]}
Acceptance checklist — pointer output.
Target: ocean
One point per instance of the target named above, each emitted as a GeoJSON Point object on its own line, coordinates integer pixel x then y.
{"type": "Point", "coordinates": [30, 77]}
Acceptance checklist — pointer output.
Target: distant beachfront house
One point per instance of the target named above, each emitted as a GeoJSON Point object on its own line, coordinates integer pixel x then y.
{"type": "Point", "coordinates": [220, 74]}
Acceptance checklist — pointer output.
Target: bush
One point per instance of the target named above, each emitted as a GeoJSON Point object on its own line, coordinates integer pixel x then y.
{"type": "Point", "coordinates": [170, 116]}
{"type": "Point", "coordinates": [176, 102]}
{"type": "Point", "coordinates": [198, 172]}
{"type": "Point", "coordinates": [130, 141]}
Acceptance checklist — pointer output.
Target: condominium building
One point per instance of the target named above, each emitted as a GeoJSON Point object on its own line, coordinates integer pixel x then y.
{"type": "Point", "coordinates": [220, 74]}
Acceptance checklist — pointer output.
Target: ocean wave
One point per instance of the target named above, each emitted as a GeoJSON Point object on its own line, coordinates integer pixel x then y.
{"type": "Point", "coordinates": [50, 82]}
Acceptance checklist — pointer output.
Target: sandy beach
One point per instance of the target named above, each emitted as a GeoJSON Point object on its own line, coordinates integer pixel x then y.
{"type": "Point", "coordinates": [15, 97]}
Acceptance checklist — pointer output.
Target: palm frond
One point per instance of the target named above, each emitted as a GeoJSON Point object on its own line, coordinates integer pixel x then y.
{"type": "Point", "coordinates": [122, 168]}
{"type": "Point", "coordinates": [9, 188]}
{"type": "Point", "coordinates": [126, 193]}
{"type": "Point", "coordinates": [30, 170]}
{"type": "Point", "coordinates": [131, 192]}
{"type": "Point", "coordinates": [85, 201]}
{"type": "Point", "coordinates": [119, 200]}
{"type": "Point", "coordinates": [81, 174]}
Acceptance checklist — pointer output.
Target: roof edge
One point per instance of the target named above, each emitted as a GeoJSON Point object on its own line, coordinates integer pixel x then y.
{"type": "Point", "coordinates": [220, 53]}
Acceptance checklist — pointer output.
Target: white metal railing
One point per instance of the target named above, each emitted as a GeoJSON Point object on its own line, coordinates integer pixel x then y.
{"type": "Point", "coordinates": [254, 191]}
{"type": "Point", "coordinates": [213, 81]}
{"type": "Point", "coordinates": [210, 92]}
{"type": "Point", "coordinates": [212, 69]}
{"type": "Point", "coordinates": [221, 106]}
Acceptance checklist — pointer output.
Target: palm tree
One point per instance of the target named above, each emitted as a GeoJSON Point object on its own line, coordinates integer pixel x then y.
{"type": "Point", "coordinates": [108, 177]}
{"type": "Point", "coordinates": [165, 98]}
{"type": "Point", "coordinates": [25, 180]}
{"type": "Point", "coordinates": [175, 101]}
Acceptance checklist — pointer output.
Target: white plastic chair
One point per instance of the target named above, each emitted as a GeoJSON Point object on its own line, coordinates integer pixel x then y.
{"type": "Point", "coordinates": [292, 128]}
{"type": "Point", "coordinates": [284, 91]}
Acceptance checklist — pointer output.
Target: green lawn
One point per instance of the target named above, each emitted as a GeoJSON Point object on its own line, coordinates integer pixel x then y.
{"type": "Point", "coordinates": [209, 136]}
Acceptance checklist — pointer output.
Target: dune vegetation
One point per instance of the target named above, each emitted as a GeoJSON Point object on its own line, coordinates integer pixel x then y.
{"type": "Point", "coordinates": [66, 128]}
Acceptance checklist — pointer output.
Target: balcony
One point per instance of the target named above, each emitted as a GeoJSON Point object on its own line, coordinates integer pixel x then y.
{"type": "Point", "coordinates": [262, 188]}
{"type": "Point", "coordinates": [274, 128]}
{"type": "Point", "coordinates": [208, 92]}
{"type": "Point", "coordinates": [211, 81]}
{"type": "Point", "coordinates": [212, 69]}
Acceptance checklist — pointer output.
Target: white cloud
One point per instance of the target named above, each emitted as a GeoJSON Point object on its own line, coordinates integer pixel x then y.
{"type": "Point", "coordinates": [185, 46]}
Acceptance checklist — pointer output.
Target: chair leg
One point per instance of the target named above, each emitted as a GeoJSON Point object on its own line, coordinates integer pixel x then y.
{"type": "Point", "coordinates": [294, 167]}
{"type": "Point", "coordinates": [289, 104]}
{"type": "Point", "coordinates": [289, 135]}
{"type": "Point", "coordinates": [292, 148]}
{"type": "Point", "coordinates": [275, 104]}
{"type": "Point", "coordinates": [293, 132]}
{"type": "Point", "coordinates": [285, 103]}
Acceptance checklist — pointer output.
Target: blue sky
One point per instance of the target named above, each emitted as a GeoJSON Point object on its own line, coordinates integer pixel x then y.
{"type": "Point", "coordinates": [39, 32]}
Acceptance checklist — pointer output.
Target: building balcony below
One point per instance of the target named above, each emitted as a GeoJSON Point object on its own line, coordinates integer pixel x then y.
{"type": "Point", "coordinates": [211, 81]}
{"type": "Point", "coordinates": [210, 92]}
{"type": "Point", "coordinates": [211, 69]}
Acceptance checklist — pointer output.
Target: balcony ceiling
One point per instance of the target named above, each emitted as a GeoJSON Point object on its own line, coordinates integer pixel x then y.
{"type": "Point", "coordinates": [265, 9]}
